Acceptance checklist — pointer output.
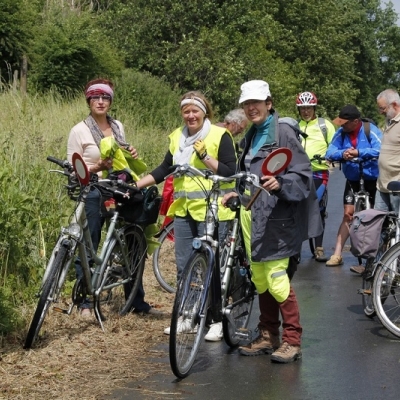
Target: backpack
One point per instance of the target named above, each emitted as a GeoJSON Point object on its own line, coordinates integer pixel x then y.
{"type": "Point", "coordinates": [365, 231]}
{"type": "Point", "coordinates": [367, 128]}
{"type": "Point", "coordinates": [294, 125]}
{"type": "Point", "coordinates": [322, 127]}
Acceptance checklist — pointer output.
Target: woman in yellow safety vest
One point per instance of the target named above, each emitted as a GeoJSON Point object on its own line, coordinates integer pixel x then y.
{"type": "Point", "coordinates": [205, 146]}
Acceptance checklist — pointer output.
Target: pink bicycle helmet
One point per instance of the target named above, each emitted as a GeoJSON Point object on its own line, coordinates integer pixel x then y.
{"type": "Point", "coordinates": [306, 99]}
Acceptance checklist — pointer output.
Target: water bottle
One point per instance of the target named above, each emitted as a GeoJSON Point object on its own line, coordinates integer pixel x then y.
{"type": "Point", "coordinates": [242, 271]}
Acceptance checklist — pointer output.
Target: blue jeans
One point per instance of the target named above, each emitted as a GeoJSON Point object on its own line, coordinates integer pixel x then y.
{"type": "Point", "coordinates": [95, 223]}
{"type": "Point", "coordinates": [185, 230]}
{"type": "Point", "coordinates": [386, 201]}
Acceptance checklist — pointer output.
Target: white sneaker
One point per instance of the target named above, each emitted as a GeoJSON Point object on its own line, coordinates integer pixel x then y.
{"type": "Point", "coordinates": [184, 326]}
{"type": "Point", "coordinates": [214, 334]}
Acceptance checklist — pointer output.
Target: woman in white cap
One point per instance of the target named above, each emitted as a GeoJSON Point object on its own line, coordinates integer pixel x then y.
{"type": "Point", "coordinates": [205, 146]}
{"type": "Point", "coordinates": [276, 224]}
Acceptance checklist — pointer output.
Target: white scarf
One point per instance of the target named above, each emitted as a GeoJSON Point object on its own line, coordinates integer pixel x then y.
{"type": "Point", "coordinates": [186, 142]}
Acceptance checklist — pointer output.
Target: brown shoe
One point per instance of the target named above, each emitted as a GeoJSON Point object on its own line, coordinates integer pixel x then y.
{"type": "Point", "coordinates": [286, 353]}
{"type": "Point", "coordinates": [358, 269]}
{"type": "Point", "coordinates": [320, 254]}
{"type": "Point", "coordinates": [265, 343]}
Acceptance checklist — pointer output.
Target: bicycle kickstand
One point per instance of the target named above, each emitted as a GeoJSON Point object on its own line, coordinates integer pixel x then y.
{"type": "Point", "coordinates": [98, 316]}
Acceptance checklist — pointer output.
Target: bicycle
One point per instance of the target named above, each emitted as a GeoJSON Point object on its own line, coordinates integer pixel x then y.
{"type": "Point", "coordinates": [112, 277]}
{"type": "Point", "coordinates": [389, 237]}
{"type": "Point", "coordinates": [362, 202]}
{"type": "Point", "coordinates": [164, 266]}
{"type": "Point", "coordinates": [202, 296]}
{"type": "Point", "coordinates": [361, 197]}
{"type": "Point", "coordinates": [323, 202]}
{"type": "Point", "coordinates": [386, 288]}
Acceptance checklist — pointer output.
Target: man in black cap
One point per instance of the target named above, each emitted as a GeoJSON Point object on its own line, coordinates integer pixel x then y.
{"type": "Point", "coordinates": [354, 139]}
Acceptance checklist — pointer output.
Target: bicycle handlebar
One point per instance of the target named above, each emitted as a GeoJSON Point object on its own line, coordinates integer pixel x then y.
{"type": "Point", "coordinates": [62, 163]}
{"type": "Point", "coordinates": [355, 160]}
{"type": "Point", "coordinates": [319, 158]}
{"type": "Point", "coordinates": [116, 184]}
{"type": "Point", "coordinates": [187, 169]}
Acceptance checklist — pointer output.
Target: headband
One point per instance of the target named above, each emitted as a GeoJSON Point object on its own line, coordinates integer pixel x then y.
{"type": "Point", "coordinates": [98, 89]}
{"type": "Point", "coordinates": [196, 101]}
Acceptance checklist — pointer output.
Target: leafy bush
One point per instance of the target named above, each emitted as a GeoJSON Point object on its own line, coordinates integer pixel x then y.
{"type": "Point", "coordinates": [9, 318]}
{"type": "Point", "coordinates": [33, 201]}
{"type": "Point", "coordinates": [149, 110]}
{"type": "Point", "coordinates": [68, 52]}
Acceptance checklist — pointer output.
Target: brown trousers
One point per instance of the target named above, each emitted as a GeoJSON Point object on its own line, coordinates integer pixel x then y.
{"type": "Point", "coordinates": [289, 309]}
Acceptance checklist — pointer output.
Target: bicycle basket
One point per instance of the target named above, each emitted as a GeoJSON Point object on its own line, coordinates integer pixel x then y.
{"type": "Point", "coordinates": [145, 212]}
{"type": "Point", "coordinates": [110, 199]}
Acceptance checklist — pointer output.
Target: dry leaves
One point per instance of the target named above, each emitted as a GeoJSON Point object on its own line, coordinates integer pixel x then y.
{"type": "Point", "coordinates": [75, 359]}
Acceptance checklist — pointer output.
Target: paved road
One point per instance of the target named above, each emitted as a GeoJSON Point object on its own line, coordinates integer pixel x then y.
{"type": "Point", "coordinates": [345, 354]}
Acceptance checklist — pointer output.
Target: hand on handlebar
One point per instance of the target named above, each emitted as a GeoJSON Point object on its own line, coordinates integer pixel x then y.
{"type": "Point", "coordinates": [228, 196]}
{"type": "Point", "coordinates": [351, 153]}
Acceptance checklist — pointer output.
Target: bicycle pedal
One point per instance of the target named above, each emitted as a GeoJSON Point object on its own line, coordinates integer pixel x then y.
{"type": "Point", "coordinates": [367, 292]}
{"type": "Point", "coordinates": [243, 333]}
{"type": "Point", "coordinates": [60, 310]}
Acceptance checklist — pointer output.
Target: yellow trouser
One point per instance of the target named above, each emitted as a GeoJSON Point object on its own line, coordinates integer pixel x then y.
{"type": "Point", "coordinates": [266, 275]}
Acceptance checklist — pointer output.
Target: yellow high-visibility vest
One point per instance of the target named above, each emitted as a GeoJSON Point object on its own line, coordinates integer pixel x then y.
{"type": "Point", "coordinates": [188, 194]}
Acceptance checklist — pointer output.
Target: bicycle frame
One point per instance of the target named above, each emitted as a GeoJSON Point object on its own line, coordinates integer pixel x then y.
{"type": "Point", "coordinates": [209, 243]}
{"type": "Point", "coordinates": [77, 235]}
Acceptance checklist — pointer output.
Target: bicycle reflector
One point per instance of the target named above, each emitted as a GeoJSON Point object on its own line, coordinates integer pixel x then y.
{"type": "Point", "coordinates": [276, 161]}
{"type": "Point", "coordinates": [80, 169]}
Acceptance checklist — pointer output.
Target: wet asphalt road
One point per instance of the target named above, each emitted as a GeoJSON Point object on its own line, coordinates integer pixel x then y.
{"type": "Point", "coordinates": [345, 354]}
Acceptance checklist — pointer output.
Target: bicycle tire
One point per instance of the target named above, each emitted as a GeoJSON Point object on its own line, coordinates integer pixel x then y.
{"type": "Point", "coordinates": [187, 327]}
{"type": "Point", "coordinates": [164, 265]}
{"type": "Point", "coordinates": [386, 290]}
{"type": "Point", "coordinates": [239, 298]}
{"type": "Point", "coordinates": [360, 205]}
{"type": "Point", "coordinates": [119, 299]}
{"type": "Point", "coordinates": [367, 299]}
{"type": "Point", "coordinates": [46, 296]}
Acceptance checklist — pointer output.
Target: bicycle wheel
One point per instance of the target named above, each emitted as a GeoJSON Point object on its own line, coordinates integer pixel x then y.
{"type": "Point", "coordinates": [386, 290]}
{"type": "Point", "coordinates": [187, 327]}
{"type": "Point", "coordinates": [115, 297]}
{"type": "Point", "coordinates": [360, 205]}
{"type": "Point", "coordinates": [164, 265]}
{"type": "Point", "coordinates": [367, 298]}
{"type": "Point", "coordinates": [239, 303]}
{"type": "Point", "coordinates": [47, 295]}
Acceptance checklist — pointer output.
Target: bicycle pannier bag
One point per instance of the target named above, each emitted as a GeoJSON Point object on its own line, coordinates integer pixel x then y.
{"type": "Point", "coordinates": [365, 231]}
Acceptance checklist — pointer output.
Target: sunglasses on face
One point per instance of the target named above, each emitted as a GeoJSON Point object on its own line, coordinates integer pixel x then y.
{"type": "Point", "coordinates": [105, 98]}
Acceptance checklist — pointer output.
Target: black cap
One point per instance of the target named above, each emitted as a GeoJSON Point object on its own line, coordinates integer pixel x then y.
{"type": "Point", "coordinates": [347, 113]}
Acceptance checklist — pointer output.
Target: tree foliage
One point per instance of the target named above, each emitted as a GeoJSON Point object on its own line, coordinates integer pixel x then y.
{"type": "Point", "coordinates": [344, 50]}
{"type": "Point", "coordinates": [68, 52]}
{"type": "Point", "coordinates": [16, 23]}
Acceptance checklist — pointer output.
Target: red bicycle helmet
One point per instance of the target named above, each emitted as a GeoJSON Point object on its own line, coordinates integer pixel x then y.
{"type": "Point", "coordinates": [306, 99]}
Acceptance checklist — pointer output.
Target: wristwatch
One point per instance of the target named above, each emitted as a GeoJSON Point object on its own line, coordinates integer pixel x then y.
{"type": "Point", "coordinates": [206, 158]}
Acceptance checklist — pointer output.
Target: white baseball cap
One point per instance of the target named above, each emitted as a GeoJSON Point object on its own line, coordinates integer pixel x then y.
{"type": "Point", "coordinates": [254, 90]}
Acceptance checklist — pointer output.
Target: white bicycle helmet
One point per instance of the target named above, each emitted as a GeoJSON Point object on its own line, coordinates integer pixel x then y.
{"type": "Point", "coordinates": [306, 99]}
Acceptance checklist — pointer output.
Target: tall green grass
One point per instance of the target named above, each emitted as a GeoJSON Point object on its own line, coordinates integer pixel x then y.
{"type": "Point", "coordinates": [33, 202]}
